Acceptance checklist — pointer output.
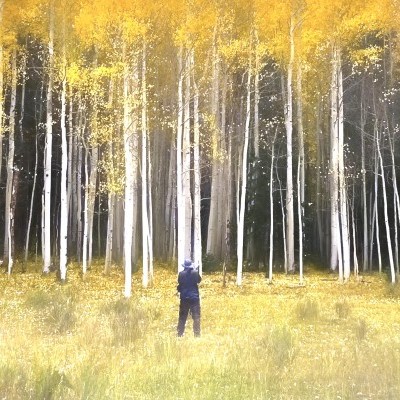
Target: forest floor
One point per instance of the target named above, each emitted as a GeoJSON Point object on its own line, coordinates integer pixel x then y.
{"type": "Point", "coordinates": [82, 340]}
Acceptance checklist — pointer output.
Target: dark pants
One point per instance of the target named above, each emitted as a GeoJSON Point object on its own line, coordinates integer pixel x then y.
{"type": "Point", "coordinates": [186, 305]}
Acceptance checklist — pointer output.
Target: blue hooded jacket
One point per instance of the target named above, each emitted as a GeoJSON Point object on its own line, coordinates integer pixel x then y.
{"type": "Point", "coordinates": [188, 281]}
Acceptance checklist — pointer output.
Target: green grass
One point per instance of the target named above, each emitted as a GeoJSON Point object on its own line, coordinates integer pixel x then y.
{"type": "Point", "coordinates": [83, 340]}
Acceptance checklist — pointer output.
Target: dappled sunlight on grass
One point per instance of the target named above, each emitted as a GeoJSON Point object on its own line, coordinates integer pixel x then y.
{"type": "Point", "coordinates": [82, 340]}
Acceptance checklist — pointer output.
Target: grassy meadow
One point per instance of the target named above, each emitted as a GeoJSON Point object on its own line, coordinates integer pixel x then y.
{"type": "Point", "coordinates": [82, 340]}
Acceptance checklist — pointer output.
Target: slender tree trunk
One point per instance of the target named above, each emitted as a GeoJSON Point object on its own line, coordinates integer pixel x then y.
{"type": "Point", "coordinates": [353, 223]}
{"type": "Point", "coordinates": [150, 215]}
{"type": "Point", "coordinates": [375, 215]}
{"type": "Point", "coordinates": [179, 166]}
{"type": "Point", "coordinates": [186, 163]}
{"type": "Point", "coordinates": [271, 209]}
{"type": "Point", "coordinates": [242, 203]}
{"type": "Point", "coordinates": [86, 216]}
{"type": "Point", "coordinates": [94, 158]}
{"type": "Point", "coordinates": [131, 163]}
{"type": "Point", "coordinates": [364, 182]}
{"type": "Point", "coordinates": [145, 219]}
{"type": "Point", "coordinates": [197, 250]}
{"type": "Point", "coordinates": [64, 167]}
{"type": "Point", "coordinates": [48, 147]}
{"type": "Point", "coordinates": [283, 220]}
{"type": "Point", "coordinates": [23, 91]}
{"type": "Point", "coordinates": [10, 166]}
{"type": "Point", "coordinates": [212, 233]}
{"type": "Point", "coordinates": [396, 202]}
{"type": "Point", "coordinates": [320, 171]}
{"type": "Point", "coordinates": [334, 165]}
{"type": "Point", "coordinates": [289, 157]}
{"type": "Point", "coordinates": [78, 196]}
{"type": "Point", "coordinates": [300, 170]}
{"type": "Point", "coordinates": [109, 241]}
{"type": "Point", "coordinates": [385, 210]}
{"type": "Point", "coordinates": [344, 220]}
{"type": "Point", "coordinates": [28, 229]}
{"type": "Point", "coordinates": [170, 211]}
{"type": "Point", "coordinates": [225, 205]}
{"type": "Point", "coordinates": [1, 91]}
{"type": "Point", "coordinates": [70, 178]}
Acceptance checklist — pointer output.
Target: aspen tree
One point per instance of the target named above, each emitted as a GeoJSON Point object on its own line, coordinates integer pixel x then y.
{"type": "Point", "coordinates": [9, 217]}
{"type": "Point", "coordinates": [47, 204]}
{"type": "Point", "coordinates": [64, 166]}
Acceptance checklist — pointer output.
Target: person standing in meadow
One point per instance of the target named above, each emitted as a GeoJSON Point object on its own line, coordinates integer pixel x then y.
{"type": "Point", "coordinates": [188, 290]}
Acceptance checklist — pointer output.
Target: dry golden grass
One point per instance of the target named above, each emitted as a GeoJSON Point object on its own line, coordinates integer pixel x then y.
{"type": "Point", "coordinates": [323, 340]}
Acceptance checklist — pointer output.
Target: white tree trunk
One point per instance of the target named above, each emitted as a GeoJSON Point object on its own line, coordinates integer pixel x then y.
{"type": "Point", "coordinates": [150, 215]}
{"type": "Point", "coordinates": [131, 165]}
{"type": "Point", "coordinates": [94, 158]}
{"type": "Point", "coordinates": [180, 203]}
{"type": "Point", "coordinates": [375, 215]}
{"type": "Point", "coordinates": [364, 183]}
{"type": "Point", "coordinates": [243, 187]}
{"type": "Point", "coordinates": [385, 210]}
{"type": "Point", "coordinates": [289, 157]}
{"type": "Point", "coordinates": [145, 219]}
{"type": "Point", "coordinates": [283, 220]}
{"type": "Point", "coordinates": [334, 165]}
{"type": "Point", "coordinates": [78, 197]}
{"type": "Point", "coordinates": [10, 166]}
{"type": "Point", "coordinates": [271, 209]}
{"type": "Point", "coordinates": [197, 251]}
{"type": "Point", "coordinates": [70, 176]}
{"type": "Point", "coordinates": [225, 204]}
{"type": "Point", "coordinates": [186, 164]}
{"type": "Point", "coordinates": [170, 211]}
{"type": "Point", "coordinates": [300, 170]}
{"type": "Point", "coordinates": [396, 202]}
{"type": "Point", "coordinates": [85, 216]}
{"type": "Point", "coordinates": [215, 194]}
{"type": "Point", "coordinates": [63, 192]}
{"type": "Point", "coordinates": [110, 226]}
{"type": "Point", "coordinates": [48, 147]}
{"type": "Point", "coordinates": [344, 219]}
{"type": "Point", "coordinates": [353, 225]}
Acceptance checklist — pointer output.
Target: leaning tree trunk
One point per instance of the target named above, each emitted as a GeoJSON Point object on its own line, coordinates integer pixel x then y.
{"type": "Point", "coordinates": [385, 209]}
{"type": "Point", "coordinates": [271, 209]}
{"type": "Point", "coordinates": [28, 228]}
{"type": "Point", "coordinates": [145, 218]}
{"type": "Point", "coordinates": [242, 197]}
{"type": "Point", "coordinates": [375, 231]}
